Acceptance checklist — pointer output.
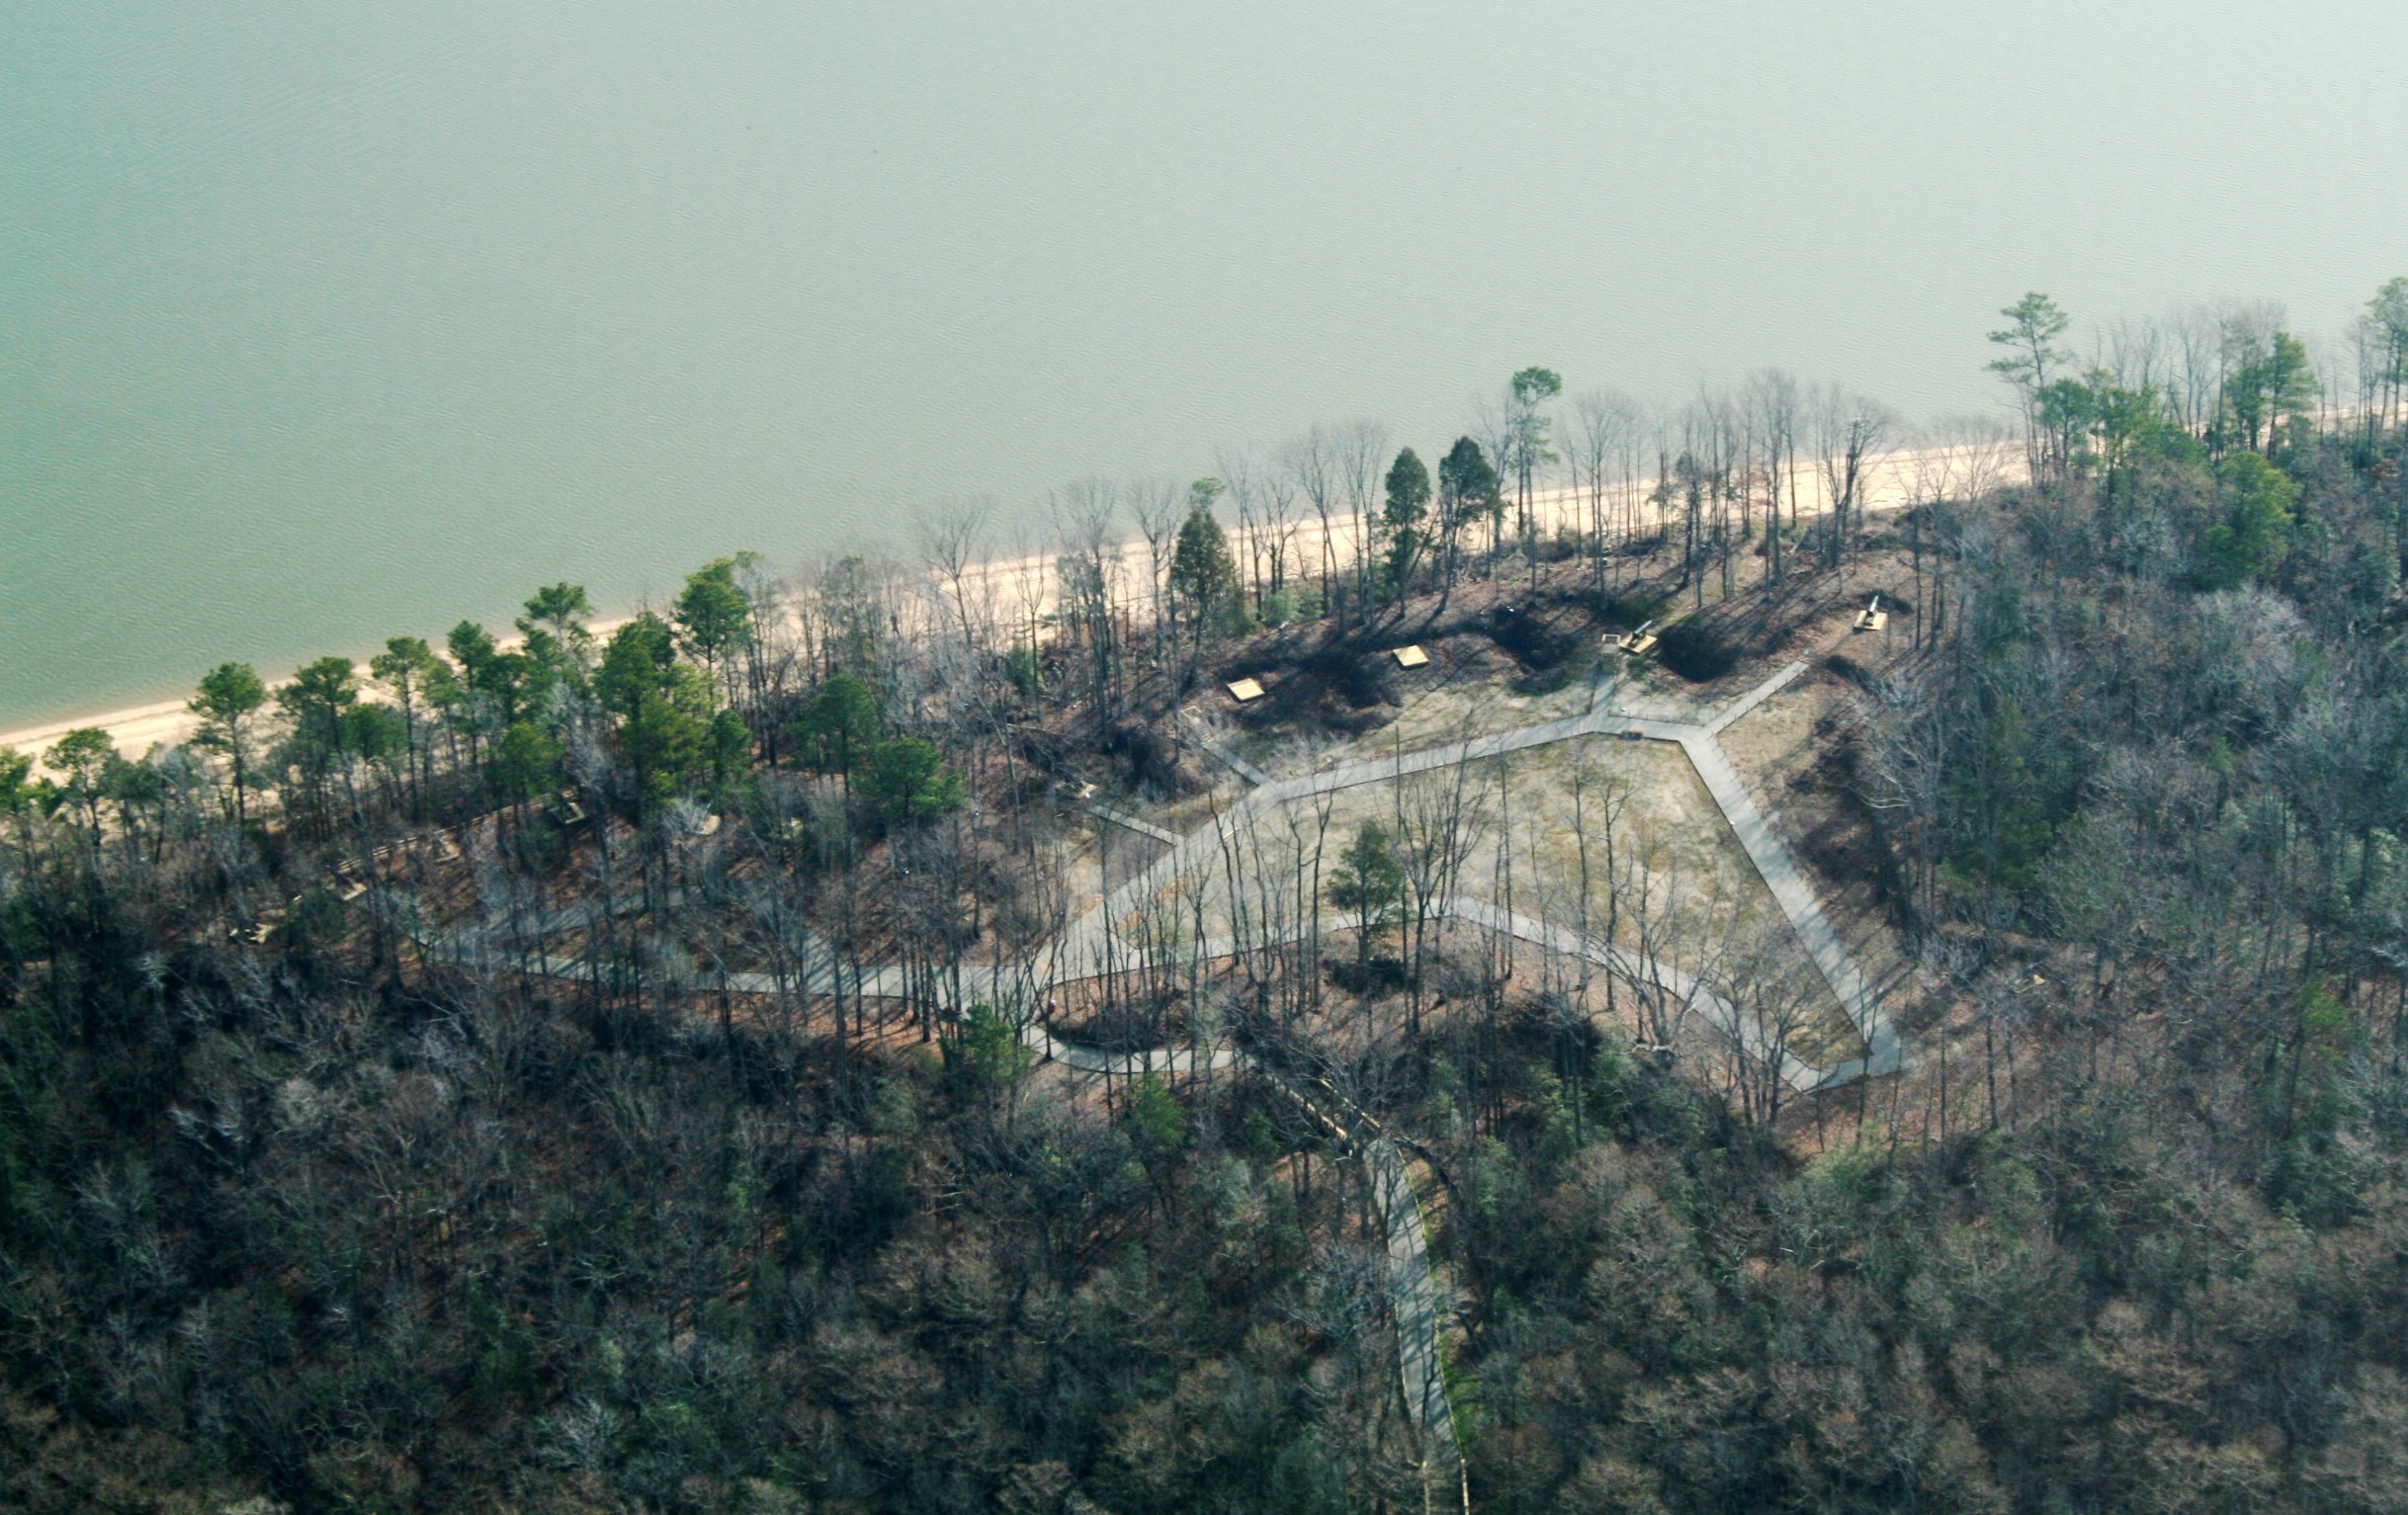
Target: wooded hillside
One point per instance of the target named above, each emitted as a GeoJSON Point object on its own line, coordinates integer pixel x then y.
{"type": "Point", "coordinates": [605, 1073]}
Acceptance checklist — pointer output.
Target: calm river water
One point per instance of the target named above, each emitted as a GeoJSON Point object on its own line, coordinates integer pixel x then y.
{"type": "Point", "coordinates": [323, 321]}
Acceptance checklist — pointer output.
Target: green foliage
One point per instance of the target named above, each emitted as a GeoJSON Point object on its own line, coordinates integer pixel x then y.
{"type": "Point", "coordinates": [850, 598]}
{"type": "Point", "coordinates": [1368, 884]}
{"type": "Point", "coordinates": [1203, 575]}
{"type": "Point", "coordinates": [412, 674]}
{"type": "Point", "coordinates": [525, 762]}
{"type": "Point", "coordinates": [728, 749]}
{"type": "Point", "coordinates": [670, 731]}
{"type": "Point", "coordinates": [1291, 604]}
{"type": "Point", "coordinates": [1531, 385]}
{"type": "Point", "coordinates": [554, 625]}
{"type": "Point", "coordinates": [315, 699]}
{"type": "Point", "coordinates": [839, 728]}
{"type": "Point", "coordinates": [134, 787]}
{"type": "Point", "coordinates": [1156, 1120]}
{"type": "Point", "coordinates": [2386, 324]}
{"type": "Point", "coordinates": [667, 732]}
{"type": "Point", "coordinates": [1407, 493]}
{"type": "Point", "coordinates": [375, 733]}
{"type": "Point", "coordinates": [16, 784]}
{"type": "Point", "coordinates": [715, 616]}
{"type": "Point", "coordinates": [229, 693]}
{"type": "Point", "coordinates": [485, 671]}
{"type": "Point", "coordinates": [2250, 542]}
{"type": "Point", "coordinates": [2034, 323]}
{"type": "Point", "coordinates": [1304, 1481]}
{"type": "Point", "coordinates": [317, 921]}
{"type": "Point", "coordinates": [81, 759]}
{"type": "Point", "coordinates": [1467, 485]}
{"type": "Point", "coordinates": [471, 647]}
{"type": "Point", "coordinates": [666, 738]}
{"type": "Point", "coordinates": [504, 1370]}
{"type": "Point", "coordinates": [1531, 388]}
{"type": "Point", "coordinates": [986, 1055]}
{"type": "Point", "coordinates": [640, 659]}
{"type": "Point", "coordinates": [1024, 666]}
{"type": "Point", "coordinates": [2093, 424]}
{"type": "Point", "coordinates": [1407, 506]}
{"type": "Point", "coordinates": [2272, 389]}
{"type": "Point", "coordinates": [905, 782]}
{"type": "Point", "coordinates": [2009, 799]}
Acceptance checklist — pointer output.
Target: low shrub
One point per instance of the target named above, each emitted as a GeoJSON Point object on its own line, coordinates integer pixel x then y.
{"type": "Point", "coordinates": [1628, 609]}
{"type": "Point", "coordinates": [1539, 645]}
{"type": "Point", "coordinates": [1375, 975]}
{"type": "Point", "coordinates": [1697, 651]}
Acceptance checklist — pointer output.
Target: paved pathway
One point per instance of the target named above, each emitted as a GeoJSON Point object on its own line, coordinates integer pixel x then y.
{"type": "Point", "coordinates": [1129, 822]}
{"type": "Point", "coordinates": [1415, 1299]}
{"type": "Point", "coordinates": [1798, 902]}
{"type": "Point", "coordinates": [1094, 946]}
{"type": "Point", "coordinates": [1753, 697]}
{"type": "Point", "coordinates": [1202, 735]}
{"type": "Point", "coordinates": [1094, 943]}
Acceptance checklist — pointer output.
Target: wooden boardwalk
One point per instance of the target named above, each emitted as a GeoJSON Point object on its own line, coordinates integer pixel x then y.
{"type": "Point", "coordinates": [1094, 946]}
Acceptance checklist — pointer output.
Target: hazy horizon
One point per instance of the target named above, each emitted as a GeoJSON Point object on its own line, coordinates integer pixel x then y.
{"type": "Point", "coordinates": [322, 325]}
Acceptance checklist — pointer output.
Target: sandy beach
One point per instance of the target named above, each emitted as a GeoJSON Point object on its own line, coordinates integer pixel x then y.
{"type": "Point", "coordinates": [1012, 585]}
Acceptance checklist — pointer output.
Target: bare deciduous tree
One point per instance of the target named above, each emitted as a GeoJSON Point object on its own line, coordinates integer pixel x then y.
{"type": "Point", "coordinates": [954, 546]}
{"type": "Point", "coordinates": [1361, 450]}
{"type": "Point", "coordinates": [1852, 438]}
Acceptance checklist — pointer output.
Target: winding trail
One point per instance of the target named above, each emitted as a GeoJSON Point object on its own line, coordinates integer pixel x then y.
{"type": "Point", "coordinates": [1202, 735]}
{"type": "Point", "coordinates": [1094, 946]}
{"type": "Point", "coordinates": [1415, 1301]}
{"type": "Point", "coordinates": [1129, 822]}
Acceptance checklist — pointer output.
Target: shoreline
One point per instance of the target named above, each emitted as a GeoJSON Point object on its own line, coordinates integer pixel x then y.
{"type": "Point", "coordinates": [124, 724]}
{"type": "Point", "coordinates": [136, 728]}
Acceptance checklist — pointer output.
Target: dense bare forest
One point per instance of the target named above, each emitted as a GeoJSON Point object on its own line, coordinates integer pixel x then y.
{"type": "Point", "coordinates": [687, 1068]}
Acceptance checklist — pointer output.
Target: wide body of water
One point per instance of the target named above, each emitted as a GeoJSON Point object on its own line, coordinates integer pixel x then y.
{"type": "Point", "coordinates": [325, 321]}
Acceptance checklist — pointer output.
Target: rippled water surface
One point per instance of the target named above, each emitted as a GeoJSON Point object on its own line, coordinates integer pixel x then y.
{"type": "Point", "coordinates": [320, 322]}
